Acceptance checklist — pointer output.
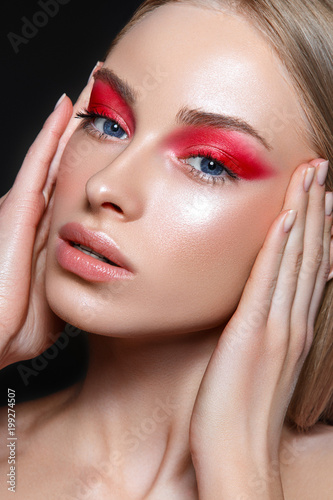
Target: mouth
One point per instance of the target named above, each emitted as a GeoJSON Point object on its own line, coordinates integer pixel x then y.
{"type": "Point", "coordinates": [92, 253]}
{"type": "Point", "coordinates": [95, 244]}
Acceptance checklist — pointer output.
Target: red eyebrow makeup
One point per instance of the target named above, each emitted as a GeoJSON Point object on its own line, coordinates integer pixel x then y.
{"type": "Point", "coordinates": [240, 154]}
{"type": "Point", "coordinates": [106, 100]}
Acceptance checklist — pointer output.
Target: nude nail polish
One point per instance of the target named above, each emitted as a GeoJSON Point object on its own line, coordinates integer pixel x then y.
{"type": "Point", "coordinates": [92, 71]}
{"type": "Point", "coordinates": [308, 179]}
{"type": "Point", "coordinates": [60, 100]}
{"type": "Point", "coordinates": [328, 203]}
{"type": "Point", "coordinates": [289, 220]}
{"type": "Point", "coordinates": [322, 171]}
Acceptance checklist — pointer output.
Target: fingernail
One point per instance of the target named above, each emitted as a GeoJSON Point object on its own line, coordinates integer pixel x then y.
{"type": "Point", "coordinates": [328, 203]}
{"type": "Point", "coordinates": [309, 176]}
{"type": "Point", "coordinates": [289, 220]}
{"type": "Point", "coordinates": [45, 199]}
{"type": "Point", "coordinates": [60, 100]}
{"type": "Point", "coordinates": [93, 70]}
{"type": "Point", "coordinates": [322, 171]}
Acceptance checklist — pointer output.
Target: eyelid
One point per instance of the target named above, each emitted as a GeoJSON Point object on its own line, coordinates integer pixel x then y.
{"type": "Point", "coordinates": [87, 124]}
{"type": "Point", "coordinates": [246, 160]}
{"type": "Point", "coordinates": [207, 150]}
{"type": "Point", "coordinates": [225, 159]}
{"type": "Point", "coordinates": [103, 112]}
{"type": "Point", "coordinates": [229, 170]}
{"type": "Point", "coordinates": [197, 175]}
{"type": "Point", "coordinates": [105, 96]}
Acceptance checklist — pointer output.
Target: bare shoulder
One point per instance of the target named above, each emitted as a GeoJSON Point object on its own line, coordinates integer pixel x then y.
{"type": "Point", "coordinates": [306, 464]}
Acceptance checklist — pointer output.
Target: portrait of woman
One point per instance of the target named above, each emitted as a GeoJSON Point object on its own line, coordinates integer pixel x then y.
{"type": "Point", "coordinates": [179, 216]}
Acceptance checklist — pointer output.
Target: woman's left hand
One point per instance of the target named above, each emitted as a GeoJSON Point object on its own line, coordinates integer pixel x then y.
{"type": "Point", "coordinates": [240, 408]}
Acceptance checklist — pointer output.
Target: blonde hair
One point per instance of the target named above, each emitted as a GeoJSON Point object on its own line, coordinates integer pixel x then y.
{"type": "Point", "coordinates": [300, 32]}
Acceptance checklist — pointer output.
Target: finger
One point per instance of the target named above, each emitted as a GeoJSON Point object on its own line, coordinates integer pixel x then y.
{"type": "Point", "coordinates": [324, 270]}
{"type": "Point", "coordinates": [286, 285]}
{"type": "Point", "coordinates": [81, 103]}
{"type": "Point", "coordinates": [24, 205]}
{"type": "Point", "coordinates": [31, 177]}
{"type": "Point", "coordinates": [42, 232]}
{"type": "Point", "coordinates": [3, 197]}
{"type": "Point", "coordinates": [313, 255]}
{"type": "Point", "coordinates": [260, 286]}
{"type": "Point", "coordinates": [259, 289]}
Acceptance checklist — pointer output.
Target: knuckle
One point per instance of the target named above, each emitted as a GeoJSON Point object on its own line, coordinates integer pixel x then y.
{"type": "Point", "coordinates": [265, 280]}
{"type": "Point", "coordinates": [55, 133]}
{"type": "Point", "coordinates": [326, 269]}
{"type": "Point", "coordinates": [315, 259]}
{"type": "Point", "coordinates": [31, 204]}
{"type": "Point", "coordinates": [296, 259]}
{"type": "Point", "coordinates": [319, 253]}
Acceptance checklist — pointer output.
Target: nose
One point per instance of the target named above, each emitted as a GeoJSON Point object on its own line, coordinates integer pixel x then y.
{"type": "Point", "coordinates": [121, 187]}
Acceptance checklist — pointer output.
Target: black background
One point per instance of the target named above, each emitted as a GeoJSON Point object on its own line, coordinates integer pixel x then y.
{"type": "Point", "coordinates": [56, 59]}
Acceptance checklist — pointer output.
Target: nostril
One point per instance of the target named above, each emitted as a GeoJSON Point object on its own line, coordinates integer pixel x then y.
{"type": "Point", "coordinates": [116, 207]}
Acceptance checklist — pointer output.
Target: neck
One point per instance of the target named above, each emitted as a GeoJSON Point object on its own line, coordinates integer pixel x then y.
{"type": "Point", "coordinates": [135, 405]}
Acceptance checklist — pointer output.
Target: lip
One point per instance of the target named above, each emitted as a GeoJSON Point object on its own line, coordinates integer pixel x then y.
{"type": "Point", "coordinates": [84, 265]}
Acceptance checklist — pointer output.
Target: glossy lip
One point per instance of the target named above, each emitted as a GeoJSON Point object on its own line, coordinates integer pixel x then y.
{"type": "Point", "coordinates": [98, 242]}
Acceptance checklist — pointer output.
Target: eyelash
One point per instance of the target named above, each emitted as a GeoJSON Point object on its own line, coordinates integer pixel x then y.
{"type": "Point", "coordinates": [89, 116]}
{"type": "Point", "coordinates": [210, 179]}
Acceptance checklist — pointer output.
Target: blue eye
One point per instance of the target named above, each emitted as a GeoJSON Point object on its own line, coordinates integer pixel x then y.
{"type": "Point", "coordinates": [110, 128]}
{"type": "Point", "coordinates": [206, 165]}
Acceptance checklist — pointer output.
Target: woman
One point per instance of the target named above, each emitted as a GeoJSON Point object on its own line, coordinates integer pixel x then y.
{"type": "Point", "coordinates": [198, 184]}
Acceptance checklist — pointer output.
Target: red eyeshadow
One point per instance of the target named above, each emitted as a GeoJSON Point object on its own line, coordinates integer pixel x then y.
{"type": "Point", "coordinates": [240, 154]}
{"type": "Point", "coordinates": [106, 99]}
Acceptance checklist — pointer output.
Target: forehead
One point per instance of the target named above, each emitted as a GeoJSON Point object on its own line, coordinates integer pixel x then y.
{"type": "Point", "coordinates": [213, 60]}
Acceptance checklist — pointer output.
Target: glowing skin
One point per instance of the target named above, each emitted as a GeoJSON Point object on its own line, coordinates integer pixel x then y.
{"type": "Point", "coordinates": [192, 242]}
{"type": "Point", "coordinates": [185, 238]}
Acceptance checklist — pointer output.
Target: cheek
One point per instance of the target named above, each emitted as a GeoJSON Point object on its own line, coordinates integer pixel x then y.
{"type": "Point", "coordinates": [78, 164]}
{"type": "Point", "coordinates": [206, 245]}
{"type": "Point", "coordinates": [72, 171]}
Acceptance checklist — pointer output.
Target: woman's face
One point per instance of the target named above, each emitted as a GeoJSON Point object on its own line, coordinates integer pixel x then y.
{"type": "Point", "coordinates": [202, 92]}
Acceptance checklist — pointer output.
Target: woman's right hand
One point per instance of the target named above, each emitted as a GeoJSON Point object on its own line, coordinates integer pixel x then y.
{"type": "Point", "coordinates": [28, 326]}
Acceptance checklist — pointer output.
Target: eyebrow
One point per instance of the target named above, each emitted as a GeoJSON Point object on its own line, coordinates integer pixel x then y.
{"type": "Point", "coordinates": [197, 118]}
{"type": "Point", "coordinates": [186, 116]}
{"type": "Point", "coordinates": [121, 86]}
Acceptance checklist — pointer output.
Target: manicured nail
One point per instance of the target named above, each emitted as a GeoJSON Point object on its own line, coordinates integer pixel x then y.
{"type": "Point", "coordinates": [328, 203]}
{"type": "Point", "coordinates": [93, 70]}
{"type": "Point", "coordinates": [309, 176]}
{"type": "Point", "coordinates": [322, 171]}
{"type": "Point", "coordinates": [289, 220]}
{"type": "Point", "coordinates": [60, 100]}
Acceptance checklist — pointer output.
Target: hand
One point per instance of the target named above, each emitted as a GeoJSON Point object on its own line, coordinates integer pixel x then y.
{"type": "Point", "coordinates": [27, 324]}
{"type": "Point", "coordinates": [239, 412]}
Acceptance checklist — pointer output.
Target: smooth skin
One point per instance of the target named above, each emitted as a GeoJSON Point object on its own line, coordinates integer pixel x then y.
{"type": "Point", "coordinates": [170, 408]}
